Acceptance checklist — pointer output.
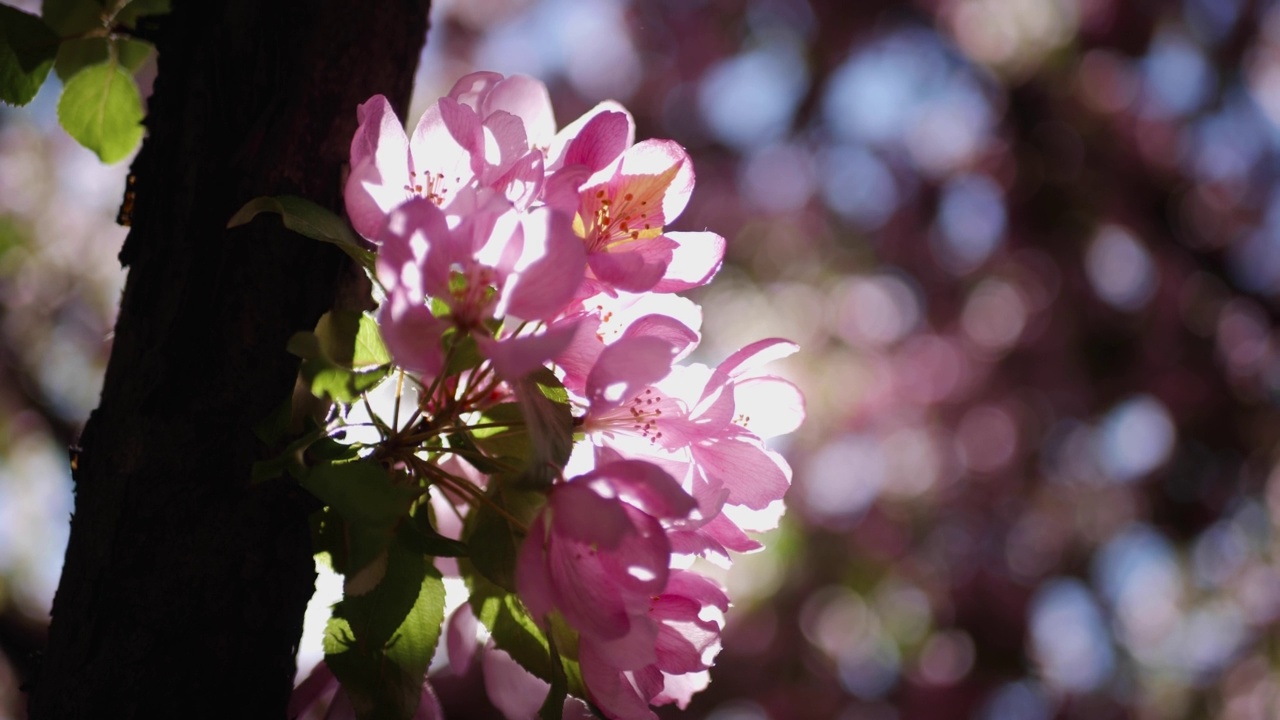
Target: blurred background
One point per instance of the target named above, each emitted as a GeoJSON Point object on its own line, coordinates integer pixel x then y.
{"type": "Point", "coordinates": [1031, 251]}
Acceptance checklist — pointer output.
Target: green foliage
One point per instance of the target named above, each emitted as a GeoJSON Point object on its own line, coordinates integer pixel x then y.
{"type": "Point", "coordinates": [82, 40]}
{"type": "Point", "coordinates": [493, 539]}
{"type": "Point", "coordinates": [549, 421]}
{"type": "Point", "coordinates": [101, 106]}
{"type": "Point", "coordinates": [27, 50]}
{"type": "Point", "coordinates": [369, 349]}
{"type": "Point", "coordinates": [379, 643]}
{"type": "Point", "coordinates": [553, 707]}
{"type": "Point", "coordinates": [102, 109]}
{"type": "Point", "coordinates": [515, 631]}
{"type": "Point", "coordinates": [76, 55]}
{"type": "Point", "coordinates": [369, 509]}
{"type": "Point", "coordinates": [423, 536]}
{"type": "Point", "coordinates": [69, 18]}
{"type": "Point", "coordinates": [135, 9]}
{"type": "Point", "coordinates": [503, 438]}
{"type": "Point", "coordinates": [342, 341]}
{"type": "Point", "coordinates": [309, 219]}
{"type": "Point", "coordinates": [464, 355]}
{"type": "Point", "coordinates": [301, 453]}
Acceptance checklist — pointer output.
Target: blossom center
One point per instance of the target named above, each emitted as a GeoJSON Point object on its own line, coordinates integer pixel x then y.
{"type": "Point", "coordinates": [430, 186]}
{"type": "Point", "coordinates": [616, 221]}
{"type": "Point", "coordinates": [642, 416]}
{"type": "Point", "coordinates": [473, 291]}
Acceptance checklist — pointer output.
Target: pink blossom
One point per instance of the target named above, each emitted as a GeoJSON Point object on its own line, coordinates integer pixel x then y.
{"type": "Point", "coordinates": [320, 696]}
{"type": "Point", "coordinates": [687, 614]}
{"type": "Point", "coordinates": [597, 553]}
{"type": "Point", "coordinates": [388, 168]}
{"type": "Point", "coordinates": [604, 320]}
{"type": "Point", "coordinates": [492, 264]}
{"type": "Point", "coordinates": [622, 219]}
{"type": "Point", "coordinates": [700, 425]}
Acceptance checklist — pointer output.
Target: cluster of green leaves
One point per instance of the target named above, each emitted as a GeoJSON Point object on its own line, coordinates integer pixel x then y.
{"type": "Point", "coordinates": [94, 48]}
{"type": "Point", "coordinates": [377, 527]}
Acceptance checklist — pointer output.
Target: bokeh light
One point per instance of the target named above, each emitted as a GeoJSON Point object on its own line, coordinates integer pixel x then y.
{"type": "Point", "coordinates": [1031, 252]}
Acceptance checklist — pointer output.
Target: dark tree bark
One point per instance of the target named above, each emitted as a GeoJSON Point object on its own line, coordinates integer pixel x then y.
{"type": "Point", "coordinates": [184, 586]}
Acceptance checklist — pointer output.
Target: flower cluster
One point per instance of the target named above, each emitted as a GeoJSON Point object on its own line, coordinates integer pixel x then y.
{"type": "Point", "coordinates": [527, 278]}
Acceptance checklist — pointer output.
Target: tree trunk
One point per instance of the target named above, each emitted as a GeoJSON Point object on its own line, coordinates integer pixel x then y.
{"type": "Point", "coordinates": [184, 586]}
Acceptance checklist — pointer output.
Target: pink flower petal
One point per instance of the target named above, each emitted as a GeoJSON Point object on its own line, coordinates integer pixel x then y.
{"type": "Point", "coordinates": [769, 406]}
{"type": "Point", "coordinates": [724, 532]}
{"type": "Point", "coordinates": [515, 691]}
{"type": "Point", "coordinates": [533, 578]}
{"type": "Point", "coordinates": [648, 487]}
{"type": "Point", "coordinates": [523, 180]}
{"type": "Point", "coordinates": [680, 689]}
{"type": "Point", "coordinates": [527, 99]}
{"type": "Point", "coordinates": [412, 334]}
{"type": "Point", "coordinates": [682, 635]}
{"type": "Point", "coordinates": [405, 240]}
{"type": "Point", "coordinates": [602, 133]}
{"type": "Point", "coordinates": [633, 651]}
{"type": "Point", "coordinates": [753, 475]}
{"type": "Point", "coordinates": [629, 271]}
{"type": "Point", "coordinates": [441, 164]}
{"type": "Point", "coordinates": [756, 355]}
{"type": "Point", "coordinates": [515, 357]}
{"type": "Point", "coordinates": [611, 690]}
{"type": "Point", "coordinates": [461, 639]}
{"type": "Point", "coordinates": [655, 157]}
{"type": "Point", "coordinates": [473, 88]}
{"type": "Point", "coordinates": [602, 139]}
{"type": "Point", "coordinates": [582, 515]}
{"type": "Point", "coordinates": [504, 140]}
{"type": "Point", "coordinates": [428, 704]}
{"type": "Point", "coordinates": [585, 592]}
{"type": "Point", "coordinates": [545, 286]}
{"type": "Point", "coordinates": [698, 587]}
{"type": "Point", "coordinates": [626, 367]}
{"type": "Point", "coordinates": [465, 127]}
{"type": "Point", "coordinates": [380, 167]}
{"type": "Point", "coordinates": [667, 328]}
{"type": "Point", "coordinates": [579, 356]}
{"type": "Point", "coordinates": [638, 567]}
{"type": "Point", "coordinates": [694, 261]}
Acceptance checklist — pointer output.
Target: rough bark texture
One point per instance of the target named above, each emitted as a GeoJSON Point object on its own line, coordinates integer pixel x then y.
{"type": "Point", "coordinates": [184, 587]}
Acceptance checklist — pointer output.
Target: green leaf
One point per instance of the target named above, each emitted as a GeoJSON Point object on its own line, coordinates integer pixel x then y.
{"type": "Point", "coordinates": [514, 630]}
{"type": "Point", "coordinates": [493, 540]}
{"type": "Point", "coordinates": [341, 384]}
{"type": "Point", "coordinates": [505, 439]}
{"type": "Point", "coordinates": [309, 449]}
{"type": "Point", "coordinates": [309, 219]}
{"type": "Point", "coordinates": [337, 330]}
{"type": "Point", "coordinates": [553, 707]}
{"type": "Point", "coordinates": [73, 17]}
{"type": "Point", "coordinates": [130, 13]}
{"type": "Point", "coordinates": [102, 110]}
{"type": "Point", "coordinates": [380, 644]}
{"type": "Point", "coordinates": [370, 505]}
{"type": "Point", "coordinates": [75, 55]}
{"type": "Point", "coordinates": [361, 490]}
{"type": "Point", "coordinates": [273, 428]}
{"type": "Point", "coordinates": [548, 418]}
{"type": "Point", "coordinates": [422, 536]}
{"type": "Point", "coordinates": [465, 355]}
{"type": "Point", "coordinates": [369, 348]}
{"type": "Point", "coordinates": [27, 50]}
{"type": "Point", "coordinates": [326, 376]}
